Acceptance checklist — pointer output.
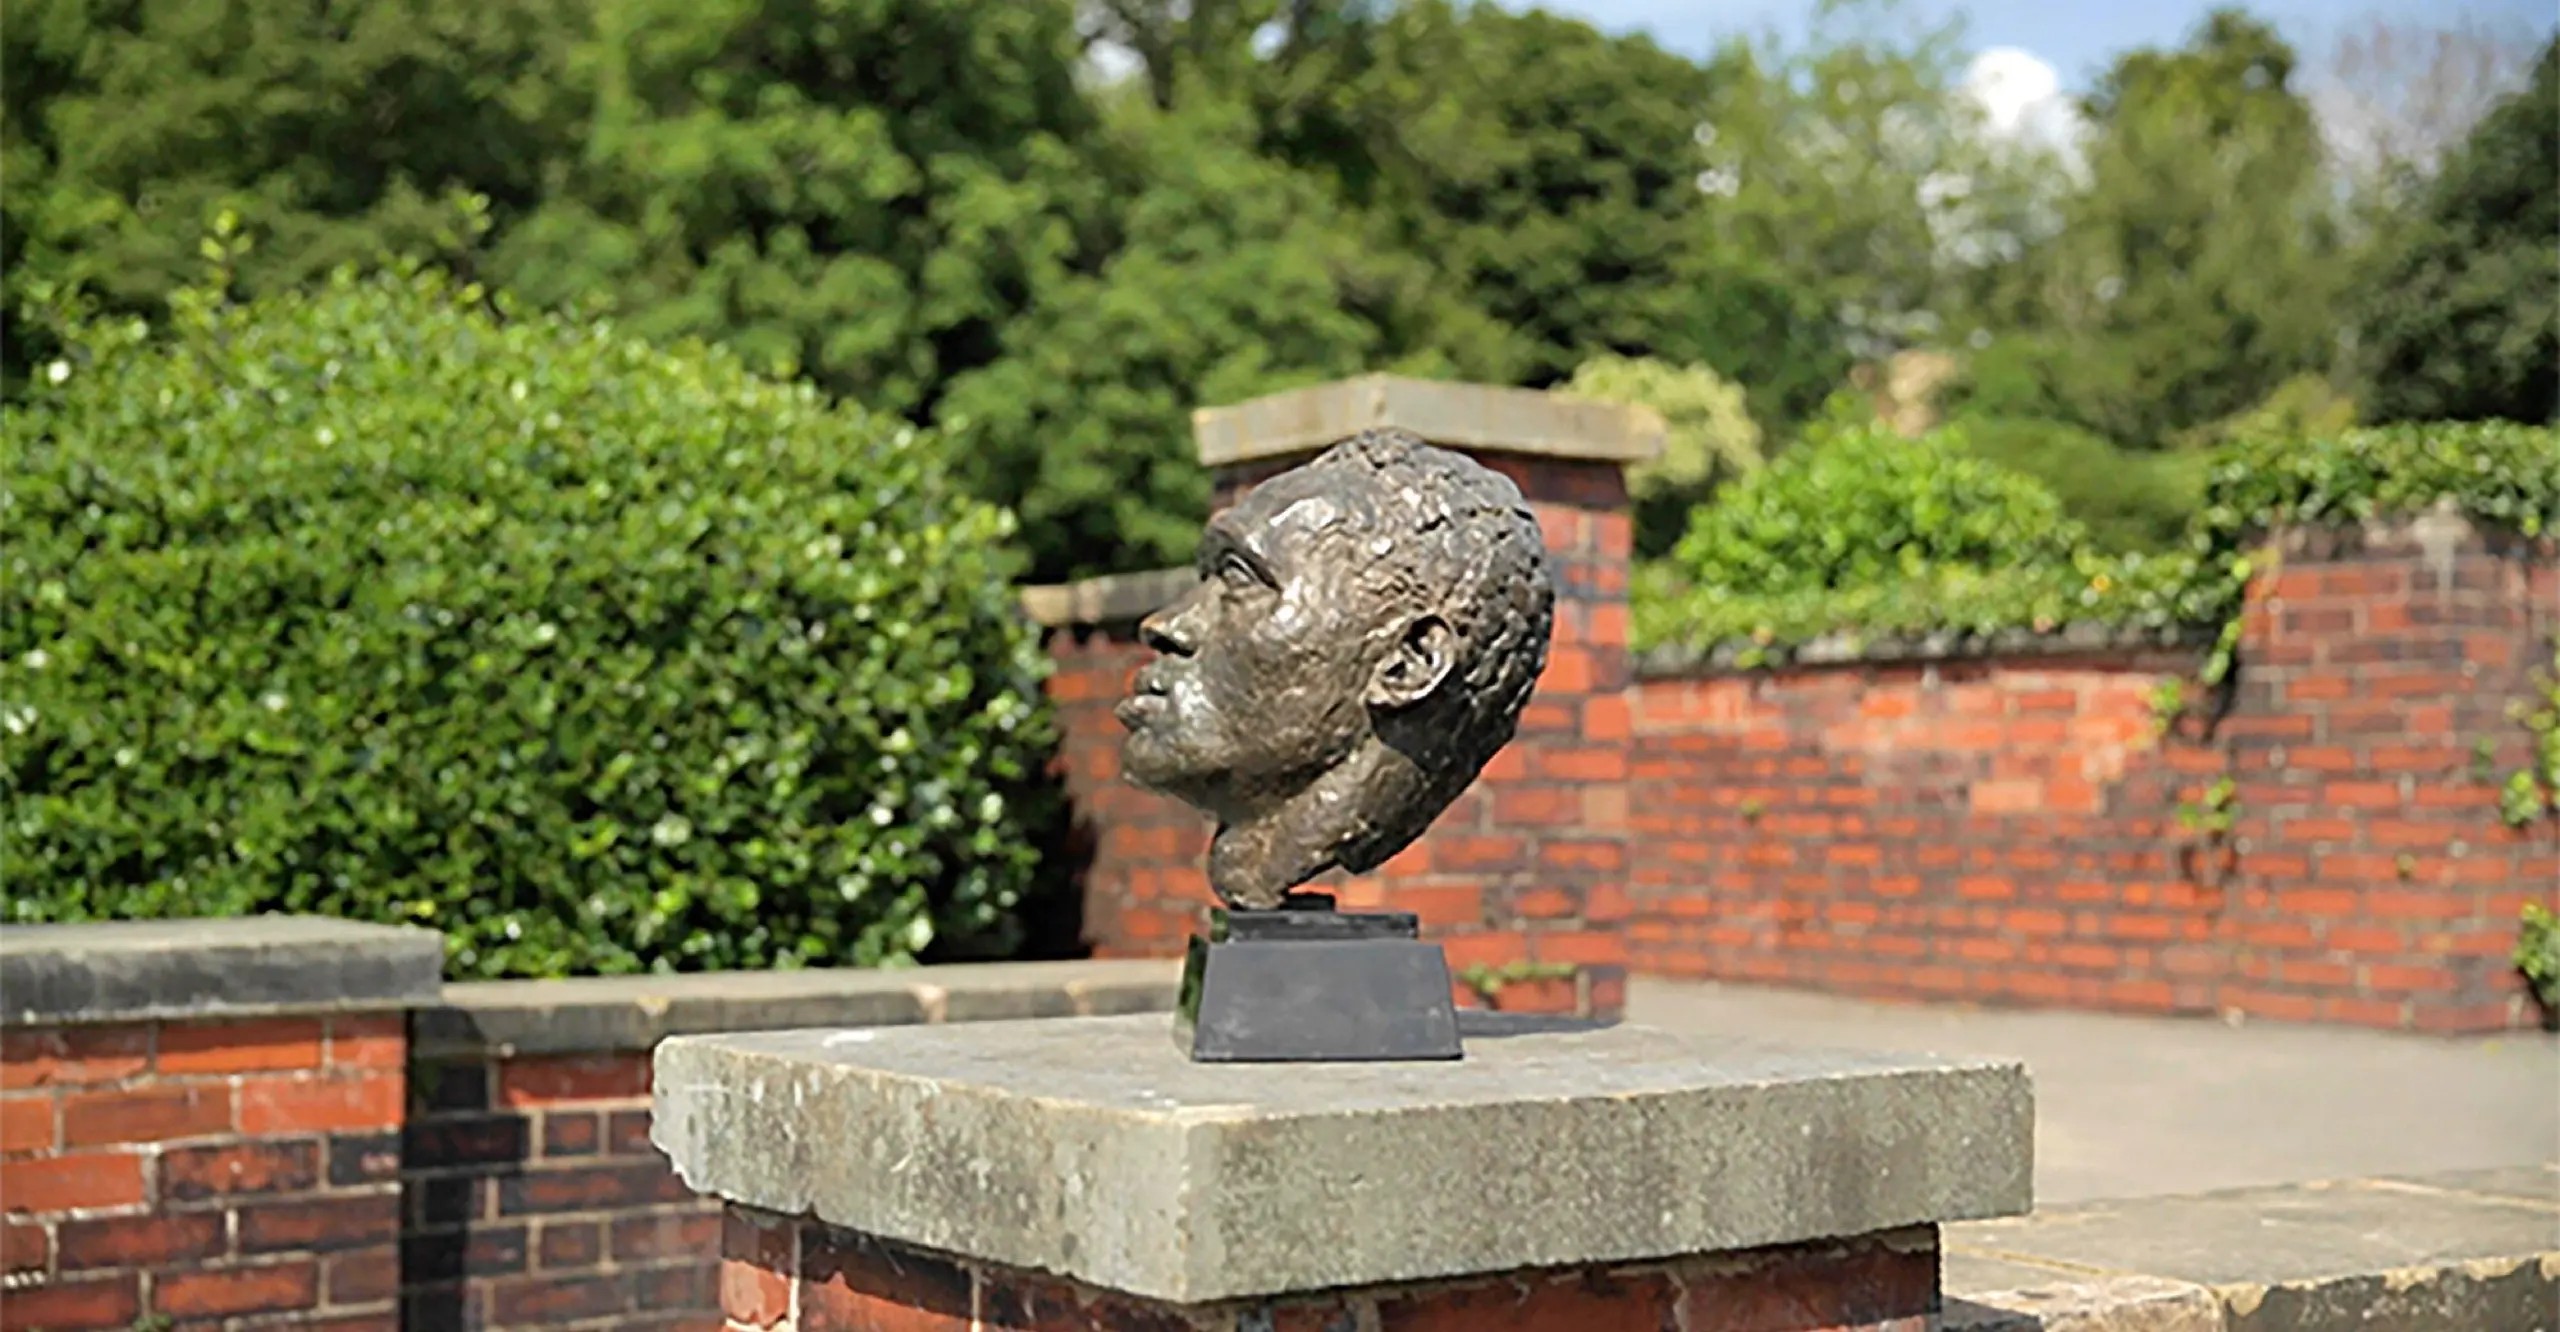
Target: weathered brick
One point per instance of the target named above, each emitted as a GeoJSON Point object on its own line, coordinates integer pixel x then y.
{"type": "Point", "coordinates": [79, 1179]}
{"type": "Point", "coordinates": [759, 1263]}
{"type": "Point", "coordinates": [548, 1300]}
{"type": "Point", "coordinates": [851, 1283]}
{"type": "Point", "coordinates": [361, 1276]}
{"type": "Point", "coordinates": [147, 1241]}
{"type": "Point", "coordinates": [449, 1087]}
{"type": "Point", "coordinates": [1535, 1304]}
{"type": "Point", "coordinates": [673, 1287]}
{"type": "Point", "coordinates": [27, 1124]}
{"type": "Point", "coordinates": [75, 1306]}
{"type": "Point", "coordinates": [320, 1224]}
{"type": "Point", "coordinates": [150, 1113]}
{"type": "Point", "coordinates": [627, 1134]}
{"type": "Point", "coordinates": [234, 1291]}
{"type": "Point", "coordinates": [467, 1140]}
{"type": "Point", "coordinates": [430, 1256]}
{"type": "Point", "coordinates": [73, 1056]}
{"type": "Point", "coordinates": [275, 1105]}
{"type": "Point", "coordinates": [587, 1188]}
{"type": "Point", "coordinates": [240, 1046]}
{"type": "Point", "coordinates": [1440, 906]}
{"type": "Point", "coordinates": [24, 1247]}
{"type": "Point", "coordinates": [190, 1174]}
{"type": "Point", "coordinates": [569, 1133]}
{"type": "Point", "coordinates": [363, 1158]}
{"type": "Point", "coordinates": [665, 1234]}
{"type": "Point", "coordinates": [359, 1041]}
{"type": "Point", "coordinates": [570, 1244]}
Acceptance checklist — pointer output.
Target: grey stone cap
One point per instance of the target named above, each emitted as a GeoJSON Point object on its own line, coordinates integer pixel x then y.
{"type": "Point", "coordinates": [1110, 599]}
{"type": "Point", "coordinates": [2466, 1250]}
{"type": "Point", "coordinates": [1094, 1150]}
{"type": "Point", "coordinates": [117, 971]}
{"type": "Point", "coordinates": [1473, 417]}
{"type": "Point", "coordinates": [605, 1013]}
{"type": "Point", "coordinates": [1679, 660]}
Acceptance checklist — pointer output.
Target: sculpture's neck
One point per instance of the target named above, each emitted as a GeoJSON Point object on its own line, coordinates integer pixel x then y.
{"type": "Point", "coordinates": [1256, 858]}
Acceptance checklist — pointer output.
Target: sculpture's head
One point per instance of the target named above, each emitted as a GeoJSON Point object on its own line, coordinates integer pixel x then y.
{"type": "Point", "coordinates": [1365, 633]}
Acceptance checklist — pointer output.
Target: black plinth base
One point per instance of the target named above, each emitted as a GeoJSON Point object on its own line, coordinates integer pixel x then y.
{"type": "Point", "coordinates": [1307, 983]}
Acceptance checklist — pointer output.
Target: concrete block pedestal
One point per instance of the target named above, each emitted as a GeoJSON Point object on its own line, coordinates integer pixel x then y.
{"type": "Point", "coordinates": [1083, 1175]}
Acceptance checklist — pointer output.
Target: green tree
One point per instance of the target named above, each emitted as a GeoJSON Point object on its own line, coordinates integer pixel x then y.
{"type": "Point", "coordinates": [1709, 437]}
{"type": "Point", "coordinates": [861, 194]}
{"type": "Point", "coordinates": [1850, 203]}
{"type": "Point", "coordinates": [1216, 275]}
{"type": "Point", "coordinates": [336, 131]}
{"type": "Point", "coordinates": [1539, 165]}
{"type": "Point", "coordinates": [2461, 316]}
{"type": "Point", "coordinates": [2197, 270]}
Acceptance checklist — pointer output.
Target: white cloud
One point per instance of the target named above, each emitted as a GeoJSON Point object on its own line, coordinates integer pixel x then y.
{"type": "Point", "coordinates": [2022, 100]}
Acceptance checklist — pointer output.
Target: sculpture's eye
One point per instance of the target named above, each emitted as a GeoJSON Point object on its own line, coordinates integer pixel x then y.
{"type": "Point", "coordinates": [1237, 573]}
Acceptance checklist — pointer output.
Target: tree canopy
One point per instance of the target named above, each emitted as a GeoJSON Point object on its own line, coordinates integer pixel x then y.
{"type": "Point", "coordinates": [954, 211]}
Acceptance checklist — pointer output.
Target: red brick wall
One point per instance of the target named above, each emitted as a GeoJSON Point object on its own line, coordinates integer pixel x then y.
{"type": "Point", "coordinates": [1530, 866]}
{"type": "Point", "coordinates": [2009, 830]}
{"type": "Point", "coordinates": [793, 1274]}
{"type": "Point", "coordinates": [2003, 829]}
{"type": "Point", "coordinates": [535, 1200]}
{"type": "Point", "coordinates": [198, 1171]}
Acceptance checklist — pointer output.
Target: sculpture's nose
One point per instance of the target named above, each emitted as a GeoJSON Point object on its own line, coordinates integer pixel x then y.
{"type": "Point", "coordinates": [1175, 630]}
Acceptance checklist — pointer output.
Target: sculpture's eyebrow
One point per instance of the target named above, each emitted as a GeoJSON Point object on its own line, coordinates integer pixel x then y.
{"type": "Point", "coordinates": [1221, 539]}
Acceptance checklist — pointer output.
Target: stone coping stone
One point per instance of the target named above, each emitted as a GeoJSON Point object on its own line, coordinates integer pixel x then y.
{"type": "Point", "coordinates": [1673, 661]}
{"type": "Point", "coordinates": [1111, 599]}
{"type": "Point", "coordinates": [130, 970]}
{"type": "Point", "coordinates": [1095, 1151]}
{"type": "Point", "coordinates": [2457, 1251]}
{"type": "Point", "coordinates": [621, 1013]}
{"type": "Point", "coordinates": [1476, 418]}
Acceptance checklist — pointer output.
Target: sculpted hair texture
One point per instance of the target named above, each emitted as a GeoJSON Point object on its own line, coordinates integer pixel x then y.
{"type": "Point", "coordinates": [1468, 522]}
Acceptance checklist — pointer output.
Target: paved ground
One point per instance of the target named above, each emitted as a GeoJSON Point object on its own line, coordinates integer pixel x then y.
{"type": "Point", "coordinates": [2127, 1107]}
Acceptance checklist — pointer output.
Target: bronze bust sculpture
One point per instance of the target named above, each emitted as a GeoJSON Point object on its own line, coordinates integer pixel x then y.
{"type": "Point", "coordinates": [1365, 633]}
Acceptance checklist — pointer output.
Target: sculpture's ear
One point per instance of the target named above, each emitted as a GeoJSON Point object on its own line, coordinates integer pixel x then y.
{"type": "Point", "coordinates": [1422, 657]}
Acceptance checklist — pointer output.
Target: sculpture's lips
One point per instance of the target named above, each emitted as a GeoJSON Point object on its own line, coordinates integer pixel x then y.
{"type": "Point", "coordinates": [1148, 700]}
{"type": "Point", "coordinates": [1135, 710]}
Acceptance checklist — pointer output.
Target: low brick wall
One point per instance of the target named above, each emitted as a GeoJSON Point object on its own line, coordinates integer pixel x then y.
{"type": "Point", "coordinates": [290, 1122]}
{"type": "Point", "coordinates": [535, 1197]}
{"type": "Point", "coordinates": [2321, 842]}
{"type": "Point", "coordinates": [168, 1161]}
{"type": "Point", "coordinates": [202, 1170]}
{"type": "Point", "coordinates": [2010, 828]}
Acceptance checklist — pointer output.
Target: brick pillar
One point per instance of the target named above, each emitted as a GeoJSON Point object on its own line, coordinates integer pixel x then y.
{"type": "Point", "coordinates": [1524, 879]}
{"type": "Point", "coordinates": [788, 1274]}
{"type": "Point", "coordinates": [1084, 1174]}
{"type": "Point", "coordinates": [162, 1161]}
{"type": "Point", "coordinates": [535, 1197]}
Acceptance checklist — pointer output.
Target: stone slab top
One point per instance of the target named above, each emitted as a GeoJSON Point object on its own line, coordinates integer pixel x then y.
{"type": "Point", "coordinates": [613, 1013]}
{"type": "Point", "coordinates": [1092, 1149]}
{"type": "Point", "coordinates": [2461, 1249]}
{"type": "Point", "coordinates": [130, 970]}
{"type": "Point", "coordinates": [1468, 417]}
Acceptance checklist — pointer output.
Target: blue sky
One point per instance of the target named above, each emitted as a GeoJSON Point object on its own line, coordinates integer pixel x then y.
{"type": "Point", "coordinates": [2076, 37]}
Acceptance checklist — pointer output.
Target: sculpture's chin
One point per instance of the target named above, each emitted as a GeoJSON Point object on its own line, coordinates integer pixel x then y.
{"type": "Point", "coordinates": [1146, 758]}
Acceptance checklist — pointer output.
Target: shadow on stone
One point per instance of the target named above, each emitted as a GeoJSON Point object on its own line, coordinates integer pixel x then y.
{"type": "Point", "coordinates": [1484, 1024]}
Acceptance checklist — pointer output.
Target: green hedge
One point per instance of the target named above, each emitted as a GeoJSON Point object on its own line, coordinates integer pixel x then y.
{"type": "Point", "coordinates": [1858, 532]}
{"type": "Point", "coordinates": [376, 602]}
